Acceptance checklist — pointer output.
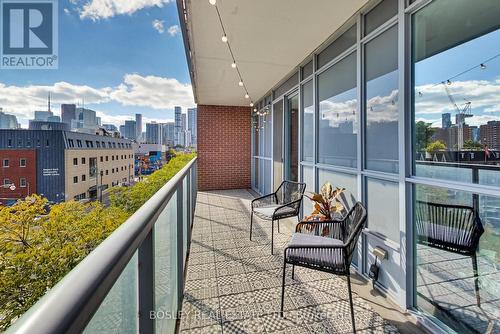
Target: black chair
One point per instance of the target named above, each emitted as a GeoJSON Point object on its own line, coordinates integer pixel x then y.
{"type": "Point", "coordinates": [453, 228]}
{"type": "Point", "coordinates": [326, 246]}
{"type": "Point", "coordinates": [283, 203]}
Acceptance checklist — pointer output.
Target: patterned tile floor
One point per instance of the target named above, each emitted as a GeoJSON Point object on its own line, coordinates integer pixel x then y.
{"type": "Point", "coordinates": [233, 285]}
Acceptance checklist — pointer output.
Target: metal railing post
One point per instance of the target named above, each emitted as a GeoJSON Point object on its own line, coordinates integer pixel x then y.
{"type": "Point", "coordinates": [180, 245]}
{"type": "Point", "coordinates": [146, 284]}
{"type": "Point", "coordinates": [189, 198]}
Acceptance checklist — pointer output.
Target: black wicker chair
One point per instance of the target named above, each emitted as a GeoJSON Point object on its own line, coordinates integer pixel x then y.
{"type": "Point", "coordinates": [454, 228]}
{"type": "Point", "coordinates": [283, 203]}
{"type": "Point", "coordinates": [326, 246]}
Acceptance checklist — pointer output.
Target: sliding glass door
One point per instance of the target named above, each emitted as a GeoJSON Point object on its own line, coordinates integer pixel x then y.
{"type": "Point", "coordinates": [292, 138]}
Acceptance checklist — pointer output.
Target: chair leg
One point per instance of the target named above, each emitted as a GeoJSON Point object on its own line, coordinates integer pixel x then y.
{"type": "Point", "coordinates": [272, 237]}
{"type": "Point", "coordinates": [283, 287]}
{"type": "Point", "coordinates": [293, 271]}
{"type": "Point", "coordinates": [278, 226]}
{"type": "Point", "coordinates": [350, 302]}
{"type": "Point", "coordinates": [251, 223]}
{"type": "Point", "coordinates": [476, 278]}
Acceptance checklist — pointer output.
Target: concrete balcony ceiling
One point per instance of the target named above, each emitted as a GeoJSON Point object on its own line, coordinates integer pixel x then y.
{"type": "Point", "coordinates": [268, 38]}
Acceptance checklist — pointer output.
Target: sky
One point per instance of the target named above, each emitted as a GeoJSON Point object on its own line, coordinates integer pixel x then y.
{"type": "Point", "coordinates": [120, 57]}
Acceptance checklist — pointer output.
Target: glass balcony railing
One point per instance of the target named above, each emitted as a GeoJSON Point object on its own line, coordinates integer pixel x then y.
{"type": "Point", "coordinates": [133, 281]}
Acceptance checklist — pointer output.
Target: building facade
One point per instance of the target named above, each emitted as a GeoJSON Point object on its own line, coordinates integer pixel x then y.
{"type": "Point", "coordinates": [8, 121]}
{"type": "Point", "coordinates": [192, 128]}
{"type": "Point", "coordinates": [138, 126]}
{"type": "Point", "coordinates": [343, 106]}
{"type": "Point", "coordinates": [177, 123]}
{"type": "Point", "coordinates": [154, 133]}
{"type": "Point", "coordinates": [128, 130]}
{"type": "Point", "coordinates": [68, 163]}
{"type": "Point", "coordinates": [68, 113]}
{"type": "Point", "coordinates": [17, 173]}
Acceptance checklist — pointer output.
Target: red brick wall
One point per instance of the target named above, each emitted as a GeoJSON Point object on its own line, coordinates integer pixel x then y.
{"type": "Point", "coordinates": [14, 173]}
{"type": "Point", "coordinates": [224, 147]}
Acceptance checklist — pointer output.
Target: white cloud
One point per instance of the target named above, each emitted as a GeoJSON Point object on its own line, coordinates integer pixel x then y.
{"type": "Point", "coordinates": [158, 26]}
{"type": "Point", "coordinates": [173, 30]}
{"type": "Point", "coordinates": [104, 9]}
{"type": "Point", "coordinates": [66, 11]}
{"type": "Point", "coordinates": [135, 90]}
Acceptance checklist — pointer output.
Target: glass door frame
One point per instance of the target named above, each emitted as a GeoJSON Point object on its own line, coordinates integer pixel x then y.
{"type": "Point", "coordinates": [286, 134]}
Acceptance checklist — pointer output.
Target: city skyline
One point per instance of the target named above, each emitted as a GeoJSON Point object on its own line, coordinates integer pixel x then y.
{"type": "Point", "coordinates": [114, 79]}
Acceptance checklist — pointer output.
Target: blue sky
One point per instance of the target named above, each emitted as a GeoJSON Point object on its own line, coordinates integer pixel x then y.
{"type": "Point", "coordinates": [122, 59]}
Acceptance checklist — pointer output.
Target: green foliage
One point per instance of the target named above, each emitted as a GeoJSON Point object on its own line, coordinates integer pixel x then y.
{"type": "Point", "coordinates": [38, 248]}
{"type": "Point", "coordinates": [435, 146]}
{"type": "Point", "coordinates": [423, 135]}
{"type": "Point", "coordinates": [472, 145]}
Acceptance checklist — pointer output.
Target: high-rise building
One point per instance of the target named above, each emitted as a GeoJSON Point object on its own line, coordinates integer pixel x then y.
{"type": "Point", "coordinates": [168, 133]}
{"type": "Point", "coordinates": [8, 121]}
{"type": "Point", "coordinates": [88, 118]}
{"type": "Point", "coordinates": [192, 120]}
{"type": "Point", "coordinates": [446, 120]}
{"type": "Point", "coordinates": [110, 127]}
{"type": "Point", "coordinates": [41, 115]}
{"type": "Point", "coordinates": [128, 130]}
{"type": "Point", "coordinates": [54, 119]}
{"type": "Point", "coordinates": [138, 126]}
{"type": "Point", "coordinates": [183, 122]}
{"type": "Point", "coordinates": [490, 134]}
{"type": "Point", "coordinates": [153, 133]}
{"type": "Point", "coordinates": [178, 126]}
{"type": "Point", "coordinates": [68, 113]}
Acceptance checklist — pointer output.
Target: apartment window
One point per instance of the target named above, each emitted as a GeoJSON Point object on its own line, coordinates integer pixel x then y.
{"type": "Point", "coordinates": [92, 167]}
{"type": "Point", "coordinates": [114, 145]}
{"type": "Point", "coordinates": [307, 70]}
{"type": "Point", "coordinates": [287, 85]}
{"type": "Point", "coordinates": [101, 158]}
{"type": "Point", "coordinates": [381, 73]}
{"type": "Point", "coordinates": [71, 143]}
{"type": "Point", "coordinates": [98, 144]}
{"type": "Point", "coordinates": [337, 47]}
{"type": "Point", "coordinates": [75, 161]}
{"type": "Point", "coordinates": [113, 158]}
{"type": "Point", "coordinates": [10, 143]}
{"type": "Point", "coordinates": [109, 144]}
{"type": "Point", "coordinates": [75, 179]}
{"type": "Point", "coordinates": [107, 172]}
{"type": "Point", "coordinates": [107, 158]}
{"type": "Point", "coordinates": [84, 177]}
{"type": "Point", "coordinates": [78, 143]}
{"type": "Point", "coordinates": [83, 161]}
{"type": "Point", "coordinates": [22, 162]}
{"type": "Point", "coordinates": [6, 162]}
{"type": "Point", "coordinates": [6, 182]}
{"type": "Point", "coordinates": [380, 14]}
{"type": "Point", "coordinates": [338, 114]}
{"type": "Point", "coordinates": [38, 143]}
{"type": "Point", "coordinates": [47, 143]}
{"type": "Point", "coordinates": [28, 143]}
{"type": "Point", "coordinates": [117, 157]}
{"type": "Point", "coordinates": [103, 144]}
{"type": "Point", "coordinates": [19, 143]}
{"type": "Point", "coordinates": [22, 182]}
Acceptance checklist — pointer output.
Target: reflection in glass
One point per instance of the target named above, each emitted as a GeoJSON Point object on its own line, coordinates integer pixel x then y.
{"type": "Point", "coordinates": [456, 90]}
{"type": "Point", "coordinates": [337, 114]}
{"type": "Point", "coordinates": [308, 179]}
{"type": "Point", "coordinates": [307, 122]}
{"type": "Point", "coordinates": [381, 72]}
{"type": "Point", "coordinates": [457, 267]}
{"type": "Point", "coordinates": [383, 208]}
{"type": "Point", "coordinates": [292, 138]}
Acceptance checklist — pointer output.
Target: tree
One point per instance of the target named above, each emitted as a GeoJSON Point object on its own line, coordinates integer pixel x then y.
{"type": "Point", "coordinates": [435, 146]}
{"type": "Point", "coordinates": [472, 145]}
{"type": "Point", "coordinates": [423, 135]}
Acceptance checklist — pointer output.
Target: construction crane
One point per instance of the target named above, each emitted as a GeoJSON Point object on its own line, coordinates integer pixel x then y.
{"type": "Point", "coordinates": [462, 113]}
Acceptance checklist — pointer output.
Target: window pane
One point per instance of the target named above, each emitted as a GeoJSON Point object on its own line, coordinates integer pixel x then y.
{"type": "Point", "coordinates": [267, 123]}
{"type": "Point", "coordinates": [456, 90]}
{"type": "Point", "coordinates": [449, 242]}
{"type": "Point", "coordinates": [307, 70]}
{"type": "Point", "coordinates": [308, 179]}
{"type": "Point", "coordinates": [383, 208]}
{"type": "Point", "coordinates": [344, 42]}
{"type": "Point", "coordinates": [380, 14]}
{"type": "Point", "coordinates": [287, 85]}
{"type": "Point", "coordinates": [381, 74]}
{"type": "Point", "coordinates": [307, 122]}
{"type": "Point", "coordinates": [337, 131]}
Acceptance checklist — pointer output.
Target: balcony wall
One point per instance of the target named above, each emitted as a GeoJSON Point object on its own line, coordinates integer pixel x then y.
{"type": "Point", "coordinates": [224, 139]}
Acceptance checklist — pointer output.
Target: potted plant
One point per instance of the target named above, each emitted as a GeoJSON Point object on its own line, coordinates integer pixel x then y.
{"type": "Point", "coordinates": [326, 203]}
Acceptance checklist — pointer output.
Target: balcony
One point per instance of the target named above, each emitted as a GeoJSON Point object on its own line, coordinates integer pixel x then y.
{"type": "Point", "coordinates": [135, 282]}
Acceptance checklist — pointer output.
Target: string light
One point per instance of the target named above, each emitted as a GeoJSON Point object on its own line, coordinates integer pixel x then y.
{"type": "Point", "coordinates": [247, 96]}
{"type": "Point", "coordinates": [224, 38]}
{"type": "Point", "coordinates": [212, 2]}
{"type": "Point", "coordinates": [251, 104]}
{"type": "Point", "coordinates": [240, 83]}
{"type": "Point", "coordinates": [233, 65]}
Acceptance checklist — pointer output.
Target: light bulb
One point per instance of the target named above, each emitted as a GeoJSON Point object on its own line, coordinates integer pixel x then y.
{"type": "Point", "coordinates": [212, 2]}
{"type": "Point", "coordinates": [224, 39]}
{"type": "Point", "coordinates": [240, 83]}
{"type": "Point", "coordinates": [251, 104]}
{"type": "Point", "coordinates": [233, 65]}
{"type": "Point", "coordinates": [255, 109]}
{"type": "Point", "coordinates": [247, 96]}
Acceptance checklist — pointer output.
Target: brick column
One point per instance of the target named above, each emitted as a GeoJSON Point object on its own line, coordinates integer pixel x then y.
{"type": "Point", "coordinates": [224, 147]}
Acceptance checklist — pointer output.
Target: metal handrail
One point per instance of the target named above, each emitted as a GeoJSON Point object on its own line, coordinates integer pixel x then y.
{"type": "Point", "coordinates": [71, 303]}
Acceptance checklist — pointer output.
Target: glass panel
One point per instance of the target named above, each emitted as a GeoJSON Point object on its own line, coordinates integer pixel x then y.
{"type": "Point", "coordinates": [307, 122]}
{"type": "Point", "coordinates": [165, 266]}
{"type": "Point", "coordinates": [308, 179]}
{"type": "Point", "coordinates": [267, 120]}
{"type": "Point", "coordinates": [267, 177]}
{"type": "Point", "coordinates": [262, 176]}
{"type": "Point", "coordinates": [307, 70]}
{"type": "Point", "coordinates": [449, 243]}
{"type": "Point", "coordinates": [118, 313]}
{"type": "Point", "coordinates": [278, 143]}
{"type": "Point", "coordinates": [456, 111]}
{"type": "Point", "coordinates": [255, 125]}
{"type": "Point", "coordinates": [347, 181]}
{"type": "Point", "coordinates": [383, 208]}
{"type": "Point", "coordinates": [185, 222]}
{"type": "Point", "coordinates": [256, 173]}
{"type": "Point", "coordinates": [287, 85]}
{"type": "Point", "coordinates": [380, 14]}
{"type": "Point", "coordinates": [344, 42]}
{"type": "Point", "coordinates": [337, 144]}
{"type": "Point", "coordinates": [381, 71]}
{"type": "Point", "coordinates": [292, 138]}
